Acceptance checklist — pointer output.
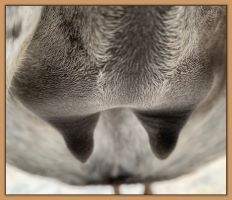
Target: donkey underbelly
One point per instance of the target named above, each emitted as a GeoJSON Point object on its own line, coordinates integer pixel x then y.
{"type": "Point", "coordinates": [121, 151]}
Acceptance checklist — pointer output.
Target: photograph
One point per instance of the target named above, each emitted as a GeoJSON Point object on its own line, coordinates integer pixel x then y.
{"type": "Point", "coordinates": [116, 99]}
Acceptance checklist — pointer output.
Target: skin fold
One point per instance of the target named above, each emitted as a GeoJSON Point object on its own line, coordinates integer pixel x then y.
{"type": "Point", "coordinates": [105, 94]}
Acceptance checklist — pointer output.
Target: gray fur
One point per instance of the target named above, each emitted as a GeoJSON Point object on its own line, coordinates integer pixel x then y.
{"type": "Point", "coordinates": [119, 61]}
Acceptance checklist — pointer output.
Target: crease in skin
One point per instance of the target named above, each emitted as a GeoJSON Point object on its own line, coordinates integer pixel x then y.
{"type": "Point", "coordinates": [118, 85]}
{"type": "Point", "coordinates": [61, 81]}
